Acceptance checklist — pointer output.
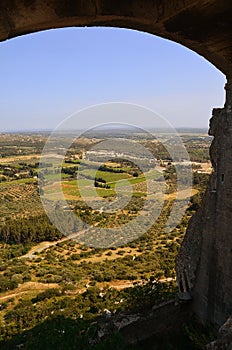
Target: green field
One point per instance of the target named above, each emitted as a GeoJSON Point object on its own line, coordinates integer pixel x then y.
{"type": "Point", "coordinates": [108, 176]}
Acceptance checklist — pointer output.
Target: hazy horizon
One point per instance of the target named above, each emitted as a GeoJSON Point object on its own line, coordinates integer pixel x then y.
{"type": "Point", "coordinates": [150, 128]}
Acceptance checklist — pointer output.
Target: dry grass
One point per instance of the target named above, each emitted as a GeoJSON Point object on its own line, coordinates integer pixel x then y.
{"type": "Point", "coordinates": [29, 288]}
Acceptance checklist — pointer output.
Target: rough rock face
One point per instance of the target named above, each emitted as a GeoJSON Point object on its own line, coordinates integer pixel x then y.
{"type": "Point", "coordinates": [188, 259]}
{"type": "Point", "coordinates": [204, 264]}
{"type": "Point", "coordinates": [224, 341]}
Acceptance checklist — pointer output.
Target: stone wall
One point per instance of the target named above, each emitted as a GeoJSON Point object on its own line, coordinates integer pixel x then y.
{"type": "Point", "coordinates": [224, 341]}
{"type": "Point", "coordinates": [205, 258]}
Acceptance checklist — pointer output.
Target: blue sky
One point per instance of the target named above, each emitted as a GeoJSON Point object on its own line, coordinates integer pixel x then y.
{"type": "Point", "coordinates": [49, 75]}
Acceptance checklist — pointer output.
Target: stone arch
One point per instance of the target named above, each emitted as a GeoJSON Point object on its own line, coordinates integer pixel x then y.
{"type": "Point", "coordinates": [206, 28]}
{"type": "Point", "coordinates": [203, 26]}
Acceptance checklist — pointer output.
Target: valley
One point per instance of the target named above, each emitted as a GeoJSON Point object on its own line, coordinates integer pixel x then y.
{"type": "Point", "coordinates": [46, 275]}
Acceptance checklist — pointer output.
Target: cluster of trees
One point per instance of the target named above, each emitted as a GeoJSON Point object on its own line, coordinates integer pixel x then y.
{"type": "Point", "coordinates": [198, 154]}
{"type": "Point", "coordinates": [70, 170]}
{"type": "Point", "coordinates": [61, 313]}
{"type": "Point", "coordinates": [72, 161]}
{"type": "Point", "coordinates": [7, 284]}
{"type": "Point", "coordinates": [44, 164]}
{"type": "Point", "coordinates": [111, 169]}
{"type": "Point", "coordinates": [200, 180]}
{"type": "Point", "coordinates": [19, 146]}
{"type": "Point", "coordinates": [100, 182]}
{"type": "Point", "coordinates": [158, 150]}
{"type": "Point", "coordinates": [28, 230]}
{"type": "Point", "coordinates": [198, 149]}
{"type": "Point", "coordinates": [21, 170]}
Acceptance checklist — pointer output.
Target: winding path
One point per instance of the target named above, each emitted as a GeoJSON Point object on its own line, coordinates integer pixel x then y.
{"type": "Point", "coordinates": [44, 245]}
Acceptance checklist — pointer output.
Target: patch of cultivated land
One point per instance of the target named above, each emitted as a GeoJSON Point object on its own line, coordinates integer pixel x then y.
{"type": "Point", "coordinates": [19, 198]}
{"type": "Point", "coordinates": [72, 188]}
{"type": "Point", "coordinates": [9, 160]}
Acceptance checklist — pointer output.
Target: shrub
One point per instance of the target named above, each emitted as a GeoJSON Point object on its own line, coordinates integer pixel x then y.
{"type": "Point", "coordinates": [17, 278]}
{"type": "Point", "coordinates": [47, 294]}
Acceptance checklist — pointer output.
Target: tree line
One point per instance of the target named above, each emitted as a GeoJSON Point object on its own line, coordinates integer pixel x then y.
{"type": "Point", "coordinates": [28, 230]}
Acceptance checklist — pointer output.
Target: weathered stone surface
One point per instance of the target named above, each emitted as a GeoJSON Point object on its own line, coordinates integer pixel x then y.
{"type": "Point", "coordinates": [204, 265]}
{"type": "Point", "coordinates": [162, 321]}
{"type": "Point", "coordinates": [224, 341]}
